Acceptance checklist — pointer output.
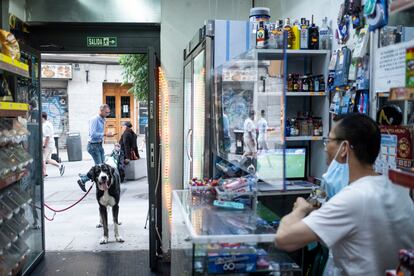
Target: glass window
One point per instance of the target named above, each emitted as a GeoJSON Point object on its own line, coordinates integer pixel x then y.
{"type": "Point", "coordinates": [110, 100]}
{"type": "Point", "coordinates": [125, 107]}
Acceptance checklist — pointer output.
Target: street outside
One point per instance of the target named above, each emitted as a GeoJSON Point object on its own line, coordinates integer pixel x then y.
{"type": "Point", "coordinates": [75, 229]}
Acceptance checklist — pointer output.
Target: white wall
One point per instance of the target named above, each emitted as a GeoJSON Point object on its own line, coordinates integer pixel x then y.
{"type": "Point", "coordinates": [84, 98]}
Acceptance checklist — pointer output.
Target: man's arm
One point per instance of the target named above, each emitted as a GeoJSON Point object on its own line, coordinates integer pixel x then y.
{"type": "Point", "coordinates": [293, 233]}
{"type": "Point", "coordinates": [93, 129]}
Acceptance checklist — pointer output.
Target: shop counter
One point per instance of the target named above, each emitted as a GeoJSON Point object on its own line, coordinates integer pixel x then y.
{"type": "Point", "coordinates": [210, 240]}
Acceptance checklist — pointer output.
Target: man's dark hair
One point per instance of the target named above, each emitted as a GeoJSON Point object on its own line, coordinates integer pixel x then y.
{"type": "Point", "coordinates": [263, 112]}
{"type": "Point", "coordinates": [44, 115]}
{"type": "Point", "coordinates": [363, 135]}
{"type": "Point", "coordinates": [252, 113]}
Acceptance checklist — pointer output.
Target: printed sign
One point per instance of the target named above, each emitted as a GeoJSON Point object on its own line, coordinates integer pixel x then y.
{"type": "Point", "coordinates": [56, 71]}
{"type": "Point", "coordinates": [101, 41]}
{"type": "Point", "coordinates": [389, 69]}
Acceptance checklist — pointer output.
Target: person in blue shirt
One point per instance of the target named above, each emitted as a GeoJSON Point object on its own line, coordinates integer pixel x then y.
{"type": "Point", "coordinates": [95, 140]}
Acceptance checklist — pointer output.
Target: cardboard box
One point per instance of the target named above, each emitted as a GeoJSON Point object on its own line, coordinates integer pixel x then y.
{"type": "Point", "coordinates": [404, 144]}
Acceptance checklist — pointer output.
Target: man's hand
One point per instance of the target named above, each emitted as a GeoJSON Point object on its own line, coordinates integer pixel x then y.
{"type": "Point", "coordinates": [109, 134]}
{"type": "Point", "coordinates": [302, 206]}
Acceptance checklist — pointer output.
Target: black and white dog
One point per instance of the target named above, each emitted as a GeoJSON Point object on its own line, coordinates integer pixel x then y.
{"type": "Point", "coordinates": [108, 191]}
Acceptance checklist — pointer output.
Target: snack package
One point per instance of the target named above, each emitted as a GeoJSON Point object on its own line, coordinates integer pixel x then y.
{"type": "Point", "coordinates": [9, 44]}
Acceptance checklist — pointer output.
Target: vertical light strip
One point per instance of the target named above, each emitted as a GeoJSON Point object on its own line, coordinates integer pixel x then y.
{"type": "Point", "coordinates": [165, 141]}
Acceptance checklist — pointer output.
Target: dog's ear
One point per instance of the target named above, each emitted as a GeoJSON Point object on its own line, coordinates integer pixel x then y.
{"type": "Point", "coordinates": [112, 170]}
{"type": "Point", "coordinates": [91, 174]}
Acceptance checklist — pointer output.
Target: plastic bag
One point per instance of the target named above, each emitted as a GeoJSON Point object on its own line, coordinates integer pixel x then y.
{"type": "Point", "coordinates": [9, 44]}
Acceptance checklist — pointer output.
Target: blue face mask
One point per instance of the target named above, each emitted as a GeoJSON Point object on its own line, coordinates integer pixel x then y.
{"type": "Point", "coordinates": [336, 177]}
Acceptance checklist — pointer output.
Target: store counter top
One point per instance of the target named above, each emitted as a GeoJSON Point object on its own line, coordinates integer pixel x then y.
{"type": "Point", "coordinates": [209, 224]}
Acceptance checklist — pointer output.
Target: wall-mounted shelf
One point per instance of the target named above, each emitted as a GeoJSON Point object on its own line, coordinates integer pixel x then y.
{"type": "Point", "coordinates": [304, 138]}
{"type": "Point", "coordinates": [403, 178]}
{"type": "Point", "coordinates": [12, 109]}
{"type": "Point", "coordinates": [292, 94]}
{"type": "Point", "coordinates": [13, 66]}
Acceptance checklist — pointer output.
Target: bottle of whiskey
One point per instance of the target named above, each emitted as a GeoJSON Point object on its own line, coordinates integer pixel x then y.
{"type": "Point", "coordinates": [296, 36]}
{"type": "Point", "coordinates": [289, 32]}
{"type": "Point", "coordinates": [304, 34]}
{"type": "Point", "coordinates": [313, 36]}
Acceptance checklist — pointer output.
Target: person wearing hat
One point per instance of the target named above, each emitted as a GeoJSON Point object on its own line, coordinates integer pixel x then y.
{"type": "Point", "coordinates": [128, 143]}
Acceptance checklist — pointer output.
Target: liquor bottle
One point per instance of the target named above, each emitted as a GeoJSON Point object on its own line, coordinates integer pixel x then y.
{"type": "Point", "coordinates": [304, 34]}
{"type": "Point", "coordinates": [325, 35]}
{"type": "Point", "coordinates": [313, 36]}
{"type": "Point", "coordinates": [296, 36]}
{"type": "Point", "coordinates": [279, 34]}
{"type": "Point", "coordinates": [260, 36]}
{"type": "Point", "coordinates": [289, 32]}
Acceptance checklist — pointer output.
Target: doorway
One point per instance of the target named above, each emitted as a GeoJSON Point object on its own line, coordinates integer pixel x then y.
{"type": "Point", "coordinates": [132, 38]}
{"type": "Point", "coordinates": [122, 106]}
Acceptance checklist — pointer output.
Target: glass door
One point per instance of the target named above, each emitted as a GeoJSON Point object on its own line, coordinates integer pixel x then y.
{"type": "Point", "coordinates": [198, 118]}
{"type": "Point", "coordinates": [187, 172]}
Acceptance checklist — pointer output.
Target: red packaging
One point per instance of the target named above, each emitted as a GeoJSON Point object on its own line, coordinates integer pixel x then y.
{"type": "Point", "coordinates": [404, 144]}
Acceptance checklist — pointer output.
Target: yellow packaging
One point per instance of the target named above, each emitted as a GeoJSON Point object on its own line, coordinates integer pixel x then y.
{"type": "Point", "coordinates": [296, 37]}
{"type": "Point", "coordinates": [9, 45]}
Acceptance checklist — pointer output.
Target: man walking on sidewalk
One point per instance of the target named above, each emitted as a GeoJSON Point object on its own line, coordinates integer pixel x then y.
{"type": "Point", "coordinates": [49, 145]}
{"type": "Point", "coordinates": [95, 140]}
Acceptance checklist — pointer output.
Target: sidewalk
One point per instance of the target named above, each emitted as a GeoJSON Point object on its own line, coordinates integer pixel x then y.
{"type": "Point", "coordinates": [75, 229]}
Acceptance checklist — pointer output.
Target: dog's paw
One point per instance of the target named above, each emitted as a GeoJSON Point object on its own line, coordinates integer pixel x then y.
{"type": "Point", "coordinates": [119, 239]}
{"type": "Point", "coordinates": [103, 240]}
{"type": "Point", "coordinates": [99, 225]}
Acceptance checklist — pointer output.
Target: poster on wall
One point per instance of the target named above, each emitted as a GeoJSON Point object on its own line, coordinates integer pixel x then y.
{"type": "Point", "coordinates": [56, 71]}
{"type": "Point", "coordinates": [143, 117]}
{"type": "Point", "coordinates": [55, 104]}
{"type": "Point", "coordinates": [390, 66]}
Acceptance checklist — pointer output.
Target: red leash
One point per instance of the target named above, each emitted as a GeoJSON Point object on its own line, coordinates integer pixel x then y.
{"type": "Point", "coordinates": [67, 208]}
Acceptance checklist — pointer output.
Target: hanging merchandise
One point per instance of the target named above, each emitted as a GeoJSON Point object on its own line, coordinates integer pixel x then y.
{"type": "Point", "coordinates": [354, 10]}
{"type": "Point", "coordinates": [409, 67]}
{"type": "Point", "coordinates": [379, 17]}
{"type": "Point", "coordinates": [362, 79]}
{"type": "Point", "coordinates": [342, 32]}
{"type": "Point", "coordinates": [342, 66]}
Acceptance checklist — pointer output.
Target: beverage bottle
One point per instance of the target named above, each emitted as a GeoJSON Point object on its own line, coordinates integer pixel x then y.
{"type": "Point", "coordinates": [313, 36]}
{"type": "Point", "coordinates": [304, 34]}
{"type": "Point", "coordinates": [279, 34]}
{"type": "Point", "coordinates": [260, 36]}
{"type": "Point", "coordinates": [289, 31]}
{"type": "Point", "coordinates": [325, 35]}
{"type": "Point", "coordinates": [296, 36]}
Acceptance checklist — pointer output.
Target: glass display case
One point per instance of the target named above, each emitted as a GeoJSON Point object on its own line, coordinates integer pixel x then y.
{"type": "Point", "coordinates": [210, 240]}
{"type": "Point", "coordinates": [21, 183]}
{"type": "Point", "coordinates": [249, 113]}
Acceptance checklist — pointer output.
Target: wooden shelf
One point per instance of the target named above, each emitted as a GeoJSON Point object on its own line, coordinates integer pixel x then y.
{"type": "Point", "coordinates": [12, 109]}
{"type": "Point", "coordinates": [10, 179]}
{"type": "Point", "coordinates": [304, 138]}
{"type": "Point", "coordinates": [13, 66]}
{"type": "Point", "coordinates": [403, 178]}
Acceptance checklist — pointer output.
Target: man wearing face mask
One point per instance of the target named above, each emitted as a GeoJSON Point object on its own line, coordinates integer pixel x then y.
{"type": "Point", "coordinates": [367, 219]}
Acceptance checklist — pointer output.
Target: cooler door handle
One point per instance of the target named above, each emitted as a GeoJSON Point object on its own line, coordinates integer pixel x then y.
{"type": "Point", "coordinates": [189, 134]}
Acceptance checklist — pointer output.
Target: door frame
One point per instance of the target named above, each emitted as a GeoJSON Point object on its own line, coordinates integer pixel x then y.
{"type": "Point", "coordinates": [133, 38]}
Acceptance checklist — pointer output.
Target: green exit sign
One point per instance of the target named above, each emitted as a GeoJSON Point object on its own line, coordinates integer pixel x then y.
{"type": "Point", "coordinates": [102, 41]}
